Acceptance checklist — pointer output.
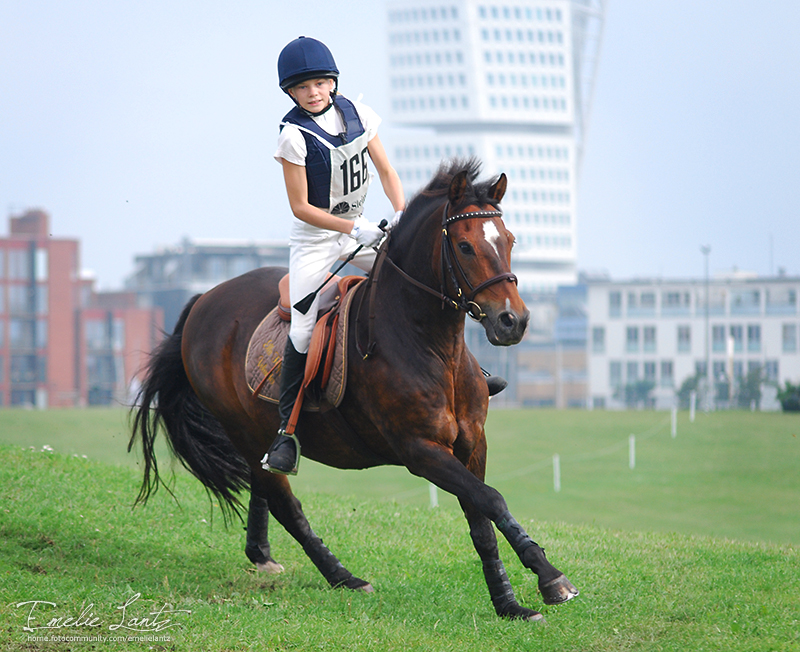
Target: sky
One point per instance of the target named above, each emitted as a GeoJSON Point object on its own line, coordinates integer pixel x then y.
{"type": "Point", "coordinates": [138, 124]}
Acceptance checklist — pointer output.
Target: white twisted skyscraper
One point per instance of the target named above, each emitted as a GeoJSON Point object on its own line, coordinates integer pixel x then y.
{"type": "Point", "coordinates": [511, 83]}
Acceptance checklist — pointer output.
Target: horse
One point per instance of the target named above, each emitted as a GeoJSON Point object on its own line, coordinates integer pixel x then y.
{"type": "Point", "coordinates": [415, 395]}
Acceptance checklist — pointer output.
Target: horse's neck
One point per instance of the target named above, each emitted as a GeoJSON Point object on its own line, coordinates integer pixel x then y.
{"type": "Point", "coordinates": [418, 320]}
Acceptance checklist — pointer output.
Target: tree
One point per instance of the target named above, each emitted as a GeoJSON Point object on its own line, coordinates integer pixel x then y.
{"type": "Point", "coordinates": [636, 393]}
{"type": "Point", "coordinates": [750, 389]}
{"type": "Point", "coordinates": [790, 397]}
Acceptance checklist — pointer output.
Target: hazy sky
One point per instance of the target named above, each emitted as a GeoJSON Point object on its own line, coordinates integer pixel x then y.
{"type": "Point", "coordinates": [135, 124]}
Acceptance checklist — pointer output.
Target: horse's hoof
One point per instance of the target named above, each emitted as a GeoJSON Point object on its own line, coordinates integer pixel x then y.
{"type": "Point", "coordinates": [270, 567]}
{"type": "Point", "coordinates": [355, 584]}
{"type": "Point", "coordinates": [517, 612]}
{"type": "Point", "coordinates": [558, 590]}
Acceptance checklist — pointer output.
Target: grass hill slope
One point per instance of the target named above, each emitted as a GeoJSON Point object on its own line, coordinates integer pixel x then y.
{"type": "Point", "coordinates": [68, 537]}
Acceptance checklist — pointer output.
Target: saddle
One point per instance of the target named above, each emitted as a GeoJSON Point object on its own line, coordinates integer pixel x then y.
{"type": "Point", "coordinates": [326, 366]}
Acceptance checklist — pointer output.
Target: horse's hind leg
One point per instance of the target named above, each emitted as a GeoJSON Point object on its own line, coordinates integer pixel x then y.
{"type": "Point", "coordinates": [257, 545]}
{"type": "Point", "coordinates": [286, 508]}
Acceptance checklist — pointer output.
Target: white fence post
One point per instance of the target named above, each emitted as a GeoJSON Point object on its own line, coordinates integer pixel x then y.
{"type": "Point", "coordinates": [674, 430]}
{"type": "Point", "coordinates": [434, 493]}
{"type": "Point", "coordinates": [692, 404]}
{"type": "Point", "coordinates": [556, 472]}
{"type": "Point", "coordinates": [632, 451]}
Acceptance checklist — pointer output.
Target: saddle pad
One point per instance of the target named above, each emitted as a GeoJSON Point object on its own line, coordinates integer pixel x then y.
{"type": "Point", "coordinates": [265, 355]}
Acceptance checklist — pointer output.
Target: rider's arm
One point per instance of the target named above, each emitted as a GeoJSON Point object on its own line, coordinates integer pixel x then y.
{"type": "Point", "coordinates": [294, 176]}
{"type": "Point", "coordinates": [390, 180]}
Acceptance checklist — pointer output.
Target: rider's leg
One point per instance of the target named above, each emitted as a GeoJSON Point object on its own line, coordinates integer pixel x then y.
{"type": "Point", "coordinates": [309, 264]}
{"type": "Point", "coordinates": [284, 453]}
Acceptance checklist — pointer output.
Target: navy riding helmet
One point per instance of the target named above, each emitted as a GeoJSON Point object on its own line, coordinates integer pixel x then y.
{"type": "Point", "coordinates": [305, 58]}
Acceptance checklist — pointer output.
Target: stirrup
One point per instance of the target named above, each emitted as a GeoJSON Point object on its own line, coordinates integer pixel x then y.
{"type": "Point", "coordinates": [279, 440]}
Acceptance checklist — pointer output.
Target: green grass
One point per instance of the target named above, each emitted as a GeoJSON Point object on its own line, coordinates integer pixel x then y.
{"type": "Point", "coordinates": [68, 536]}
{"type": "Point", "coordinates": [728, 474]}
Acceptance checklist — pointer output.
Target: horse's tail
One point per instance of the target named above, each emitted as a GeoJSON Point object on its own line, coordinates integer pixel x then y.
{"type": "Point", "coordinates": [194, 435]}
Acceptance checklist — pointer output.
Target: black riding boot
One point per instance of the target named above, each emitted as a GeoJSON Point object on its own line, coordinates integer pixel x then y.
{"type": "Point", "coordinates": [284, 454]}
{"type": "Point", "coordinates": [496, 384]}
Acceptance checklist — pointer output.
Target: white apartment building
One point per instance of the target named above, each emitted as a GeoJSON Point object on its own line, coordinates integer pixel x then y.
{"type": "Point", "coordinates": [660, 331]}
{"type": "Point", "coordinates": [510, 83]}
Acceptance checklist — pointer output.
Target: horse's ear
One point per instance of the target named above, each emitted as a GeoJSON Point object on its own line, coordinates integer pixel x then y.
{"type": "Point", "coordinates": [458, 188]}
{"type": "Point", "coordinates": [498, 190]}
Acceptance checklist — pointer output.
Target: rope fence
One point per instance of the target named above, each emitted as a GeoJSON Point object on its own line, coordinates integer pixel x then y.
{"type": "Point", "coordinates": [668, 423]}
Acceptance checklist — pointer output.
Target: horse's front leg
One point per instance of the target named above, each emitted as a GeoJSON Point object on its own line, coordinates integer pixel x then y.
{"type": "Point", "coordinates": [438, 465]}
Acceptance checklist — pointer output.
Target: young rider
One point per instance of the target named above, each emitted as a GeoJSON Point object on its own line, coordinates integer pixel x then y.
{"type": "Point", "coordinates": [324, 147]}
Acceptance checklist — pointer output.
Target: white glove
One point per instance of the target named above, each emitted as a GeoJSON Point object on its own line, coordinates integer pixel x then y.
{"type": "Point", "coordinates": [393, 222]}
{"type": "Point", "coordinates": [365, 232]}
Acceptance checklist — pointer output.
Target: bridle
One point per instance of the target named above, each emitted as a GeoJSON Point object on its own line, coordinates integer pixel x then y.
{"type": "Point", "coordinates": [465, 301]}
{"type": "Point", "coordinates": [449, 260]}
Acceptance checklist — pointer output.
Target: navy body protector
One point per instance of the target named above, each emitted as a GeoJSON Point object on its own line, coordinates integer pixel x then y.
{"type": "Point", "coordinates": [318, 157]}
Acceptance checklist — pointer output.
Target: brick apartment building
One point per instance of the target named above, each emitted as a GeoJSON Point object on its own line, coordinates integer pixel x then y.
{"type": "Point", "coordinates": [61, 343]}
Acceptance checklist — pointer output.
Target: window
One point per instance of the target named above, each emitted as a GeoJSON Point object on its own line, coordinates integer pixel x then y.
{"type": "Point", "coordinates": [649, 338]}
{"type": "Point", "coordinates": [738, 338]}
{"type": "Point", "coordinates": [648, 301]}
{"type": "Point", "coordinates": [684, 339]}
{"type": "Point", "coordinates": [19, 264]}
{"type": "Point", "coordinates": [667, 373]}
{"type": "Point", "coordinates": [598, 339]}
{"type": "Point", "coordinates": [18, 299]}
{"type": "Point", "coordinates": [632, 339]}
{"type": "Point", "coordinates": [632, 372]}
{"type": "Point", "coordinates": [614, 373]}
{"type": "Point", "coordinates": [718, 338]}
{"type": "Point", "coordinates": [674, 302]}
{"type": "Point", "coordinates": [754, 338]}
{"type": "Point", "coordinates": [789, 337]}
{"type": "Point", "coordinates": [719, 370]}
{"type": "Point", "coordinates": [20, 334]}
{"type": "Point", "coordinates": [650, 371]}
{"type": "Point", "coordinates": [771, 371]}
{"type": "Point", "coordinates": [614, 304]}
{"type": "Point", "coordinates": [745, 302]}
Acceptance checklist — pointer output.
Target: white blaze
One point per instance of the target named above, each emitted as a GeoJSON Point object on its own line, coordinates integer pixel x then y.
{"type": "Point", "coordinates": [492, 235]}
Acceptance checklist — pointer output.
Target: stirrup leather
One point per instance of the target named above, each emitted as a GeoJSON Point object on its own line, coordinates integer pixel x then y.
{"type": "Point", "coordinates": [265, 460]}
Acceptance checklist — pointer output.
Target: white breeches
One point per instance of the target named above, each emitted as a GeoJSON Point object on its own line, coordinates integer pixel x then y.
{"type": "Point", "coordinates": [312, 253]}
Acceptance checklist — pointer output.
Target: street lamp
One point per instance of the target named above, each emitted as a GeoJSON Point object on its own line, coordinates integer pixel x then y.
{"type": "Point", "coordinates": [706, 249]}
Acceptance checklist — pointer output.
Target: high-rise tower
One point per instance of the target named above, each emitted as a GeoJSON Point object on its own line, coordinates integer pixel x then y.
{"type": "Point", "coordinates": [510, 83]}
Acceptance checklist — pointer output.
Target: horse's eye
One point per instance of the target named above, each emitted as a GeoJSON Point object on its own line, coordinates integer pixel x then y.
{"type": "Point", "coordinates": [465, 248]}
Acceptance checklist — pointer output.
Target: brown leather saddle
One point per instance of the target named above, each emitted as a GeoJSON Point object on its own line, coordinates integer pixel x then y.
{"type": "Point", "coordinates": [326, 366]}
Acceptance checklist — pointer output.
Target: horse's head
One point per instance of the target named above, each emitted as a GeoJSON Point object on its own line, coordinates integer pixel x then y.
{"type": "Point", "coordinates": [476, 259]}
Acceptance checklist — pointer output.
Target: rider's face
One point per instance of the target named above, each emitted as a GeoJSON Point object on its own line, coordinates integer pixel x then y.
{"type": "Point", "coordinates": [313, 94]}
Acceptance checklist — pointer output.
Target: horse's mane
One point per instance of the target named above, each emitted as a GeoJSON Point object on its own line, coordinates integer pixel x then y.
{"type": "Point", "coordinates": [434, 194]}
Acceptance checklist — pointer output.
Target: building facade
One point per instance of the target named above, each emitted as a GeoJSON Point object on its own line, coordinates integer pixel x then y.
{"type": "Point", "coordinates": [169, 277]}
{"type": "Point", "coordinates": [661, 333]}
{"type": "Point", "coordinates": [49, 316]}
{"type": "Point", "coordinates": [508, 83]}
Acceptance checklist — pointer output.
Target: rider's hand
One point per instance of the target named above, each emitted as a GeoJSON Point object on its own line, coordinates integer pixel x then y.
{"type": "Point", "coordinates": [365, 232]}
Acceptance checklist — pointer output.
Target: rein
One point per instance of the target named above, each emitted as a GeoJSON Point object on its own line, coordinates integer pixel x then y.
{"type": "Point", "coordinates": [463, 301]}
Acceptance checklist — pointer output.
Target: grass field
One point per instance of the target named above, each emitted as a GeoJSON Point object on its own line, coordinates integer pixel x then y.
{"type": "Point", "coordinates": [728, 474]}
{"type": "Point", "coordinates": [68, 537]}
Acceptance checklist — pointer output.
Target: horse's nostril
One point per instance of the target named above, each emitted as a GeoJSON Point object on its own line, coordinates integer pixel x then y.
{"type": "Point", "coordinates": [508, 320]}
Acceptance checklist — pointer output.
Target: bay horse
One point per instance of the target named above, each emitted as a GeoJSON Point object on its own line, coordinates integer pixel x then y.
{"type": "Point", "coordinates": [415, 395]}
